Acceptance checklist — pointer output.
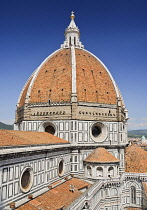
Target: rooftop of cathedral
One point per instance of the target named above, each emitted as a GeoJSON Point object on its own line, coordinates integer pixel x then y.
{"type": "Point", "coordinates": [16, 138]}
{"type": "Point", "coordinates": [101, 155]}
{"type": "Point", "coordinates": [58, 197]}
{"type": "Point", "coordinates": [71, 69]}
{"type": "Point", "coordinates": [135, 159]}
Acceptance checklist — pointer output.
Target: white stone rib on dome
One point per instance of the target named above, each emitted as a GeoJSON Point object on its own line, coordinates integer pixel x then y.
{"type": "Point", "coordinates": [34, 75]}
{"type": "Point", "coordinates": [20, 95]}
{"type": "Point", "coordinates": [118, 93]}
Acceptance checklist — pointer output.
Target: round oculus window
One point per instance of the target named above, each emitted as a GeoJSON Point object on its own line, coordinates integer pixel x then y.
{"type": "Point", "coordinates": [98, 132]}
{"type": "Point", "coordinates": [61, 168]}
{"type": "Point", "coordinates": [26, 179]}
{"type": "Point", "coordinates": [50, 129]}
{"type": "Point", "coordinates": [48, 126]}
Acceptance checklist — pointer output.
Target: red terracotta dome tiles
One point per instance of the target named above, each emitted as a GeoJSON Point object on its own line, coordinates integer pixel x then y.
{"type": "Point", "coordinates": [93, 82]}
{"type": "Point", "coordinates": [101, 155]}
{"type": "Point", "coordinates": [54, 79]}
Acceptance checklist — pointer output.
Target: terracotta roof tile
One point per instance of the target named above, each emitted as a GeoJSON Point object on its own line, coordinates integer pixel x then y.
{"type": "Point", "coordinates": [29, 206]}
{"type": "Point", "coordinates": [58, 197]}
{"type": "Point", "coordinates": [135, 159]}
{"type": "Point", "coordinates": [101, 155]}
{"type": "Point", "coordinates": [13, 138]}
{"type": "Point", "coordinates": [54, 80]}
{"type": "Point", "coordinates": [93, 82]}
{"type": "Point", "coordinates": [35, 203]}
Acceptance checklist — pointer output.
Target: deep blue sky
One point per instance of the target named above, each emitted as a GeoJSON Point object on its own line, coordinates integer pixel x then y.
{"type": "Point", "coordinates": [114, 30]}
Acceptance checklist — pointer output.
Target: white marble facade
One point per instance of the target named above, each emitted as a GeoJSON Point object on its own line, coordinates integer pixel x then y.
{"type": "Point", "coordinates": [112, 188]}
{"type": "Point", "coordinates": [113, 194]}
{"type": "Point", "coordinates": [45, 170]}
{"type": "Point", "coordinates": [108, 192]}
{"type": "Point", "coordinates": [77, 131]}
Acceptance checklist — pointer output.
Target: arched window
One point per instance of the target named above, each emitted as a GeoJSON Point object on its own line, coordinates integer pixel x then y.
{"type": "Point", "coordinates": [117, 170]}
{"type": "Point", "coordinates": [74, 40]}
{"type": "Point", "coordinates": [70, 40]}
{"type": "Point", "coordinates": [99, 171]}
{"type": "Point", "coordinates": [110, 171]}
{"type": "Point", "coordinates": [50, 129]}
{"type": "Point", "coordinates": [102, 193]}
{"type": "Point", "coordinates": [61, 168]}
{"type": "Point", "coordinates": [86, 206]}
{"type": "Point", "coordinates": [114, 192]}
{"type": "Point", "coordinates": [107, 192]}
{"type": "Point", "coordinates": [89, 171]}
{"type": "Point", "coordinates": [133, 195]}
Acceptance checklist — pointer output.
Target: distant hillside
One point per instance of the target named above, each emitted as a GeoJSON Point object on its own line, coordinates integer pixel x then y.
{"type": "Point", "coordinates": [4, 126]}
{"type": "Point", "coordinates": [137, 133]}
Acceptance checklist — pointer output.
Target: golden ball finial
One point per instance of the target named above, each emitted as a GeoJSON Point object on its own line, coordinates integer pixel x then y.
{"type": "Point", "coordinates": [72, 15]}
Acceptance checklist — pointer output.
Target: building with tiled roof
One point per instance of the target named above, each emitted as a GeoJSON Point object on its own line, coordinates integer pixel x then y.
{"type": "Point", "coordinates": [135, 159]}
{"type": "Point", "coordinates": [53, 198]}
{"type": "Point", "coordinates": [17, 138]}
{"type": "Point", "coordinates": [101, 164]}
{"type": "Point", "coordinates": [68, 147]}
{"type": "Point", "coordinates": [101, 155]}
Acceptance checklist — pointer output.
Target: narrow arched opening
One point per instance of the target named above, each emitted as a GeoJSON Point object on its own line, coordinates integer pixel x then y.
{"type": "Point", "coordinates": [61, 168]}
{"type": "Point", "coordinates": [110, 171]}
{"type": "Point", "coordinates": [133, 195]}
{"type": "Point", "coordinates": [74, 40]}
{"type": "Point", "coordinates": [89, 171]}
{"type": "Point", "coordinates": [70, 40]}
{"type": "Point", "coordinates": [99, 172]}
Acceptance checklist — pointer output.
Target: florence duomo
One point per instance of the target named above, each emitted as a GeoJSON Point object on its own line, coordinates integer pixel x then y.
{"type": "Point", "coordinates": [69, 148]}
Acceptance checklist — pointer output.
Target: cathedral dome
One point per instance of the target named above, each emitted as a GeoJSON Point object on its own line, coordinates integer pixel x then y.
{"type": "Point", "coordinates": [71, 70]}
{"type": "Point", "coordinates": [71, 82]}
{"type": "Point", "coordinates": [53, 80]}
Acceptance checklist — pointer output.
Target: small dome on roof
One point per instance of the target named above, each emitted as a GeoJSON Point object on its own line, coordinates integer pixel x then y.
{"type": "Point", "coordinates": [101, 155]}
